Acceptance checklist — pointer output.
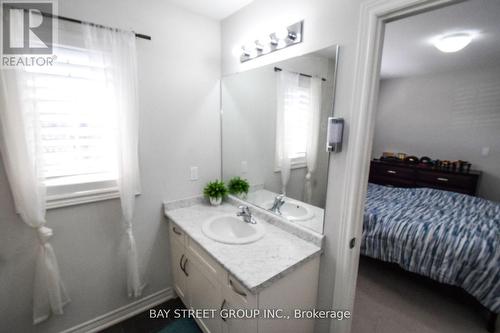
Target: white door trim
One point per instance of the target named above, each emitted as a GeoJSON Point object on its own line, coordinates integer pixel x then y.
{"type": "Point", "coordinates": [372, 19]}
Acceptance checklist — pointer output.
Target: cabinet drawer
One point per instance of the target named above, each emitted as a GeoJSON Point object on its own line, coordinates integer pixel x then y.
{"type": "Point", "coordinates": [391, 171]}
{"type": "Point", "coordinates": [447, 180]}
{"type": "Point", "coordinates": [177, 234]}
{"type": "Point", "coordinates": [392, 181]}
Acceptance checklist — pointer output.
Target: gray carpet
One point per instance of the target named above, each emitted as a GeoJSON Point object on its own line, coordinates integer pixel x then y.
{"type": "Point", "coordinates": [390, 300]}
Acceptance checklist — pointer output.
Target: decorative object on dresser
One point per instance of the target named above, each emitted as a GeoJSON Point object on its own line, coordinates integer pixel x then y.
{"type": "Point", "coordinates": [460, 166]}
{"type": "Point", "coordinates": [399, 174]}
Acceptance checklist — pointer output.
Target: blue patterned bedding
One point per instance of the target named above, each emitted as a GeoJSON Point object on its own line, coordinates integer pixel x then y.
{"type": "Point", "coordinates": [449, 237]}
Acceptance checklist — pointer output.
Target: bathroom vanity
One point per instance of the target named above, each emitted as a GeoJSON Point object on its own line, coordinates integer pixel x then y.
{"type": "Point", "coordinates": [228, 259]}
{"type": "Point", "coordinates": [270, 276]}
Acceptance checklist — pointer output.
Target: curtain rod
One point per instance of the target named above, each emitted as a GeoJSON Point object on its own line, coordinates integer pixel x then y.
{"type": "Point", "coordinates": [277, 69]}
{"type": "Point", "coordinates": [69, 19]}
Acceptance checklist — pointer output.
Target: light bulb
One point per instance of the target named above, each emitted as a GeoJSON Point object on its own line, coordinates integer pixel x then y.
{"type": "Point", "coordinates": [259, 46]}
{"type": "Point", "coordinates": [282, 33]}
{"type": "Point", "coordinates": [265, 39]}
{"type": "Point", "coordinates": [245, 52]}
{"type": "Point", "coordinates": [249, 50]}
{"type": "Point", "coordinates": [452, 43]}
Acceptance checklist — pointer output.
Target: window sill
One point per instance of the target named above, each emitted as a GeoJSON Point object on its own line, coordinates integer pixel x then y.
{"type": "Point", "coordinates": [298, 165]}
{"type": "Point", "coordinates": [295, 164]}
{"type": "Point", "coordinates": [83, 197]}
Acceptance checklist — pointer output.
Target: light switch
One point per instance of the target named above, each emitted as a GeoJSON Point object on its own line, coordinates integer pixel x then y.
{"type": "Point", "coordinates": [485, 151]}
{"type": "Point", "coordinates": [244, 167]}
{"type": "Point", "coordinates": [194, 173]}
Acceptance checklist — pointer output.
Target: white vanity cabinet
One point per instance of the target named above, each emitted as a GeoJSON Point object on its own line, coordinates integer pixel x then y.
{"type": "Point", "coordinates": [202, 283]}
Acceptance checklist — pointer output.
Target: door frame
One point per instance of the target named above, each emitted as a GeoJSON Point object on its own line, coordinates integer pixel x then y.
{"type": "Point", "coordinates": [372, 19]}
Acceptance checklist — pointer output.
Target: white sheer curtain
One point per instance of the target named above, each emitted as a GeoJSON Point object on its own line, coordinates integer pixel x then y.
{"type": "Point", "coordinates": [117, 51]}
{"type": "Point", "coordinates": [287, 99]}
{"type": "Point", "coordinates": [22, 156]}
{"type": "Point", "coordinates": [313, 121]}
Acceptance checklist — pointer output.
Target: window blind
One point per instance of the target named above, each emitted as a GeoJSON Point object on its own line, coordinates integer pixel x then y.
{"type": "Point", "coordinates": [296, 119]}
{"type": "Point", "coordinates": [77, 121]}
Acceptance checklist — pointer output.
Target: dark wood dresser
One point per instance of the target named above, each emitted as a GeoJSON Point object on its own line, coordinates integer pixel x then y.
{"type": "Point", "coordinates": [408, 175]}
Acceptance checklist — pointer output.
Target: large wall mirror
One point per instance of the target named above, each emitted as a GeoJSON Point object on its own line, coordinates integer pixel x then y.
{"type": "Point", "coordinates": [274, 123]}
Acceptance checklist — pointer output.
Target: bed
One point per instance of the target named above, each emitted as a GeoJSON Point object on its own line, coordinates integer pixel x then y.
{"type": "Point", "coordinates": [449, 237]}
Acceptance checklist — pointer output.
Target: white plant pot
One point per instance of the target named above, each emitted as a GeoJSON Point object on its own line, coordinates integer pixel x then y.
{"type": "Point", "coordinates": [215, 201]}
{"type": "Point", "coordinates": [241, 195]}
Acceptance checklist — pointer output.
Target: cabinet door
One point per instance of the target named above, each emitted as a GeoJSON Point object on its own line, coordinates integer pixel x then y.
{"type": "Point", "coordinates": [204, 293]}
{"type": "Point", "coordinates": [178, 260]}
{"type": "Point", "coordinates": [204, 285]}
{"type": "Point", "coordinates": [238, 298]}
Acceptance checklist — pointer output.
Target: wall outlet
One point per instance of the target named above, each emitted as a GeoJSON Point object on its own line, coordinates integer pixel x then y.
{"type": "Point", "coordinates": [194, 173]}
{"type": "Point", "coordinates": [485, 151]}
{"type": "Point", "coordinates": [244, 167]}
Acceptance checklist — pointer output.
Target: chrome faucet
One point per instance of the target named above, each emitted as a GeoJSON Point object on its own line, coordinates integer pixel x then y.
{"type": "Point", "coordinates": [278, 202]}
{"type": "Point", "coordinates": [246, 214]}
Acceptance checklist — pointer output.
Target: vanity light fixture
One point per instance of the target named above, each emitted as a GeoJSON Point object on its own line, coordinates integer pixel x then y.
{"type": "Point", "coordinates": [277, 40]}
{"type": "Point", "coordinates": [452, 42]}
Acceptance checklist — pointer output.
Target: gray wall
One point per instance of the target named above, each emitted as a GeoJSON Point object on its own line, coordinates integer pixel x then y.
{"type": "Point", "coordinates": [179, 73]}
{"type": "Point", "coordinates": [249, 126]}
{"type": "Point", "coordinates": [447, 116]}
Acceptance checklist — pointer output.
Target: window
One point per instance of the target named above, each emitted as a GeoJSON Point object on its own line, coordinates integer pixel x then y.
{"type": "Point", "coordinates": [77, 126]}
{"type": "Point", "coordinates": [296, 122]}
{"type": "Point", "coordinates": [294, 113]}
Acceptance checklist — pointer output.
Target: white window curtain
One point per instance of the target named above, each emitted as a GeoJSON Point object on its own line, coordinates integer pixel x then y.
{"type": "Point", "coordinates": [313, 121]}
{"type": "Point", "coordinates": [117, 51]}
{"type": "Point", "coordinates": [22, 148]}
{"type": "Point", "coordinates": [21, 153]}
{"type": "Point", "coordinates": [288, 98]}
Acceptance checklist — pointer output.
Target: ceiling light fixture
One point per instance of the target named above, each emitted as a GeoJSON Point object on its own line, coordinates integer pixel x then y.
{"type": "Point", "coordinates": [452, 42]}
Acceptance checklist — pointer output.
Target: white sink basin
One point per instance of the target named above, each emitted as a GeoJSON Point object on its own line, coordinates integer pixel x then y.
{"type": "Point", "coordinates": [231, 229]}
{"type": "Point", "coordinates": [293, 211]}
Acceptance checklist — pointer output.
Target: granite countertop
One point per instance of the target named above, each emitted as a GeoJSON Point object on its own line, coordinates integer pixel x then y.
{"type": "Point", "coordinates": [256, 265]}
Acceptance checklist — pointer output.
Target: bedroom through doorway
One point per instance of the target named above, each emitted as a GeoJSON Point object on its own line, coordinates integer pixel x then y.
{"type": "Point", "coordinates": [430, 247]}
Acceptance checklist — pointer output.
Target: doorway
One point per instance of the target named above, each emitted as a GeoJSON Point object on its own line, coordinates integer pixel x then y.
{"type": "Point", "coordinates": [375, 20]}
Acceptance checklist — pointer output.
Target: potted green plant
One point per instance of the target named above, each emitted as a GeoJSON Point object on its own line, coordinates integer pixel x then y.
{"type": "Point", "coordinates": [239, 187]}
{"type": "Point", "coordinates": [215, 191]}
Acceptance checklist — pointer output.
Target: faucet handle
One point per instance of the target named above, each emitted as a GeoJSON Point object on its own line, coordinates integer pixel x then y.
{"type": "Point", "coordinates": [244, 209]}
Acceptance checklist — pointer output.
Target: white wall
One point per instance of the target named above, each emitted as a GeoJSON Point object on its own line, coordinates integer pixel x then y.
{"type": "Point", "coordinates": [249, 126]}
{"type": "Point", "coordinates": [327, 22]}
{"type": "Point", "coordinates": [179, 73]}
{"type": "Point", "coordinates": [447, 116]}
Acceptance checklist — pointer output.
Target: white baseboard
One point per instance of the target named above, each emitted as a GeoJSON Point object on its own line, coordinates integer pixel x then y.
{"type": "Point", "coordinates": [106, 320]}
